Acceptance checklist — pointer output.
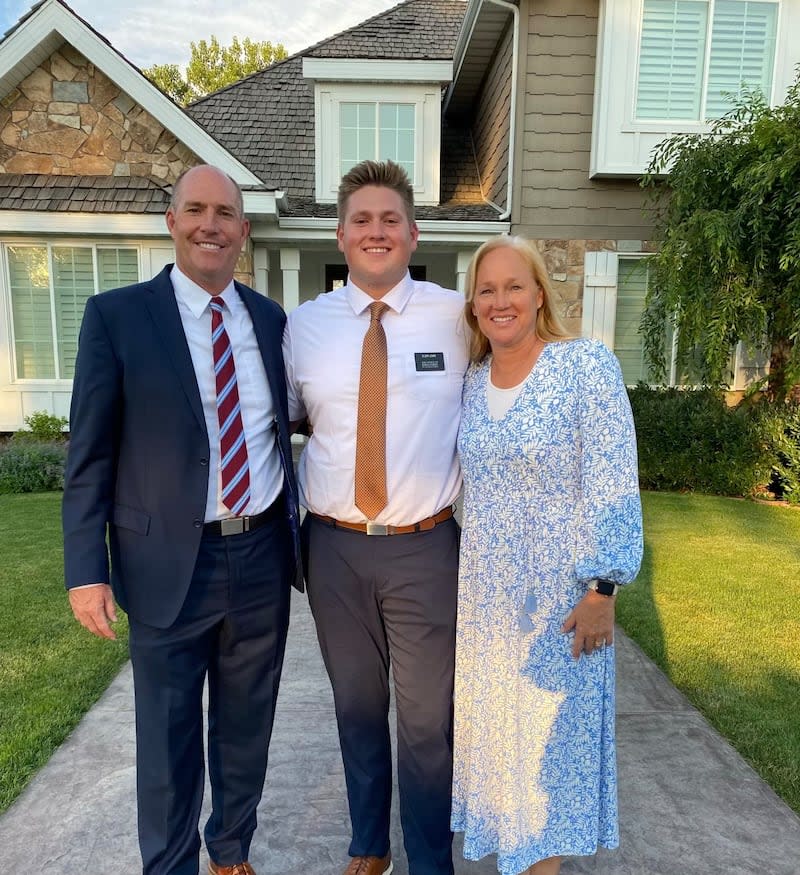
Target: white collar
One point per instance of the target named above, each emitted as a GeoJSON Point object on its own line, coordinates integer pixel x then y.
{"type": "Point", "coordinates": [195, 297]}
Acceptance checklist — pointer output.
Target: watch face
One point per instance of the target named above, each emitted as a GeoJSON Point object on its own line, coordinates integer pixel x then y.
{"type": "Point", "coordinates": [604, 587]}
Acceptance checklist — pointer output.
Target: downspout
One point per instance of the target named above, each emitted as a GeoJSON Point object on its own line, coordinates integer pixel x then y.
{"type": "Point", "coordinates": [512, 126]}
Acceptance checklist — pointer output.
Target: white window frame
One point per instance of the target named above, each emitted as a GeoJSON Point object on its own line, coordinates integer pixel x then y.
{"type": "Point", "coordinates": [49, 244]}
{"type": "Point", "coordinates": [426, 100]}
{"type": "Point", "coordinates": [621, 144]}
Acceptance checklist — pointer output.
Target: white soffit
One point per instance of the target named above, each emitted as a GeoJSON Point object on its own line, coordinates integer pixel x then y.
{"type": "Point", "coordinates": [362, 70]}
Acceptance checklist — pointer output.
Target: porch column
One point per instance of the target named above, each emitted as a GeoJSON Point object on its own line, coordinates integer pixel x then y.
{"type": "Point", "coordinates": [261, 270]}
{"type": "Point", "coordinates": [462, 262]}
{"type": "Point", "coordinates": [290, 268]}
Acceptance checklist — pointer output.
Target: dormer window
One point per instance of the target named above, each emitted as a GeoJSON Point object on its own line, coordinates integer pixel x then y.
{"type": "Point", "coordinates": [378, 130]}
{"type": "Point", "coordinates": [380, 110]}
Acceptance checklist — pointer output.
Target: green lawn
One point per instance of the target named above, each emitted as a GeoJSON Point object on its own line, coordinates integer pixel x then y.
{"type": "Point", "coordinates": [51, 669]}
{"type": "Point", "coordinates": [717, 606]}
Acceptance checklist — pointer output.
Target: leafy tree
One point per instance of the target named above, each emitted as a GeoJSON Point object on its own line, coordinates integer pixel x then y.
{"type": "Point", "coordinates": [170, 80]}
{"type": "Point", "coordinates": [213, 66]}
{"type": "Point", "coordinates": [728, 226]}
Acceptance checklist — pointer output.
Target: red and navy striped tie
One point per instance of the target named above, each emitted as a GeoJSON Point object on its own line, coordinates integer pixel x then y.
{"type": "Point", "coordinates": [233, 449]}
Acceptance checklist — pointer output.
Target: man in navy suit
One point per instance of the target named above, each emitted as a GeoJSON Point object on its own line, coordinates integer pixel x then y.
{"type": "Point", "coordinates": [205, 579]}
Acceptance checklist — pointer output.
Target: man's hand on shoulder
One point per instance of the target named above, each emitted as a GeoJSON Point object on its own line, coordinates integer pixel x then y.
{"type": "Point", "coordinates": [93, 607]}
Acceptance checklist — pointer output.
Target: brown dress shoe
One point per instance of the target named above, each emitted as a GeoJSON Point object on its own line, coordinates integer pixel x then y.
{"type": "Point", "coordinates": [237, 869]}
{"type": "Point", "coordinates": [370, 866]}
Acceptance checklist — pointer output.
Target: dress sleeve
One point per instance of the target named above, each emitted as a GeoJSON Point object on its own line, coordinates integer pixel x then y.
{"type": "Point", "coordinates": [90, 475]}
{"type": "Point", "coordinates": [297, 411]}
{"type": "Point", "coordinates": [609, 525]}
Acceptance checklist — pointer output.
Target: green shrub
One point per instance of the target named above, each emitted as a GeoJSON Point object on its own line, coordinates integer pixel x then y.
{"type": "Point", "coordinates": [689, 439]}
{"type": "Point", "coordinates": [779, 429]}
{"type": "Point", "coordinates": [32, 466]}
{"type": "Point", "coordinates": [43, 427]}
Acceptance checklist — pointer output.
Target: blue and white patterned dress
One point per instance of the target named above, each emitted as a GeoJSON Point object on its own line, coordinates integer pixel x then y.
{"type": "Point", "coordinates": [551, 499]}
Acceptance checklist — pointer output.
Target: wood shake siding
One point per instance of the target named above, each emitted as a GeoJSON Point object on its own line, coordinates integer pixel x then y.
{"type": "Point", "coordinates": [554, 196]}
{"type": "Point", "coordinates": [491, 128]}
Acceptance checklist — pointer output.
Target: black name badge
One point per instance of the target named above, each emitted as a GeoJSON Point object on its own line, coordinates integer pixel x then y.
{"type": "Point", "coordinates": [429, 361]}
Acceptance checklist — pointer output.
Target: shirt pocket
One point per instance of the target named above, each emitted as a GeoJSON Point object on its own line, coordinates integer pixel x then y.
{"type": "Point", "coordinates": [426, 384]}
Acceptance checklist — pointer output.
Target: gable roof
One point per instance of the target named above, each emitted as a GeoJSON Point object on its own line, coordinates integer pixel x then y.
{"type": "Point", "coordinates": [51, 23]}
{"type": "Point", "coordinates": [267, 119]}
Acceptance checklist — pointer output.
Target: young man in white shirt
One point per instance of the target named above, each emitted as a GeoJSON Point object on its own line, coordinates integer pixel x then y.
{"type": "Point", "coordinates": [382, 582]}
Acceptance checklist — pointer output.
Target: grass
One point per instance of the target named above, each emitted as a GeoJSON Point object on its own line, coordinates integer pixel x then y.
{"type": "Point", "coordinates": [51, 669]}
{"type": "Point", "coordinates": [717, 607]}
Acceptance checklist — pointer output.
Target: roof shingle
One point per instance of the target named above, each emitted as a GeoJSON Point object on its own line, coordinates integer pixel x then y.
{"type": "Point", "coordinates": [98, 194]}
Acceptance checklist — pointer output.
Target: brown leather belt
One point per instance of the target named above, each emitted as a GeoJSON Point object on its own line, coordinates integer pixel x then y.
{"type": "Point", "coordinates": [376, 529]}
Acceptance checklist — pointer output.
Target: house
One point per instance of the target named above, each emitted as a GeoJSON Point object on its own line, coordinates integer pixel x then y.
{"type": "Point", "coordinates": [529, 117]}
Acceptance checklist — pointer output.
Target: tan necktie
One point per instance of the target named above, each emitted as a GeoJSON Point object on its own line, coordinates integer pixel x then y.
{"type": "Point", "coordinates": [371, 496]}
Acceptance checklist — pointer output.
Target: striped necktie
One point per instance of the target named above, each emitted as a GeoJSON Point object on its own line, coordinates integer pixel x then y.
{"type": "Point", "coordinates": [234, 467]}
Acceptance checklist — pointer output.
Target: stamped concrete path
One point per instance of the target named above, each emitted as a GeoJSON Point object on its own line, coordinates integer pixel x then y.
{"type": "Point", "coordinates": [689, 804]}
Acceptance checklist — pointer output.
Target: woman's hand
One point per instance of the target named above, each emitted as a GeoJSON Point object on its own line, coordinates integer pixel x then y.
{"type": "Point", "coordinates": [593, 621]}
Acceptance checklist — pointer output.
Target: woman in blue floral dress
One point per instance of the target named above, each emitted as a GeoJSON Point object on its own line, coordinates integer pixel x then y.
{"type": "Point", "coordinates": [552, 525]}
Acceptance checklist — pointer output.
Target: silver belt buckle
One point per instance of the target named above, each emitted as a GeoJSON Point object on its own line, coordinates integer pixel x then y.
{"type": "Point", "coordinates": [377, 529]}
{"type": "Point", "coordinates": [232, 526]}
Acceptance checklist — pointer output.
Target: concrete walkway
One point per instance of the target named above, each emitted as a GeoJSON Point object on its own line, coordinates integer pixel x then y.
{"type": "Point", "coordinates": [689, 804]}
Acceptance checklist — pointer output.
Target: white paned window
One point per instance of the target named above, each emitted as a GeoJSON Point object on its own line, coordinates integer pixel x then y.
{"type": "Point", "coordinates": [379, 131]}
{"type": "Point", "coordinates": [50, 285]}
{"type": "Point", "coordinates": [356, 121]}
{"type": "Point", "coordinates": [695, 54]}
{"type": "Point", "coordinates": [669, 67]}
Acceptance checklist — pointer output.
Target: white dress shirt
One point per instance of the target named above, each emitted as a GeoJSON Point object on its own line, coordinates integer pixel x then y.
{"type": "Point", "coordinates": [255, 398]}
{"type": "Point", "coordinates": [427, 358]}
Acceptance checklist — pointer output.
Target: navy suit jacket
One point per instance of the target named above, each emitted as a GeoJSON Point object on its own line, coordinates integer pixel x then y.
{"type": "Point", "coordinates": [137, 469]}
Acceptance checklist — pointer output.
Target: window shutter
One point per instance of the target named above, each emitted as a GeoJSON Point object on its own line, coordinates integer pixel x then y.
{"type": "Point", "coordinates": [29, 278]}
{"type": "Point", "coordinates": [671, 59]}
{"type": "Point", "coordinates": [599, 295]}
{"type": "Point", "coordinates": [117, 267]}
{"type": "Point", "coordinates": [73, 285]}
{"type": "Point", "coordinates": [742, 51]}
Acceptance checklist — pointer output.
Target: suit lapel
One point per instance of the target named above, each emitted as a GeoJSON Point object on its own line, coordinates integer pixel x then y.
{"type": "Point", "coordinates": [272, 356]}
{"type": "Point", "coordinates": [267, 349]}
{"type": "Point", "coordinates": [163, 308]}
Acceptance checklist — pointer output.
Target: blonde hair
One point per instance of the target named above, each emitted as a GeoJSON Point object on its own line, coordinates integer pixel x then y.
{"type": "Point", "coordinates": [385, 174]}
{"type": "Point", "coordinates": [548, 323]}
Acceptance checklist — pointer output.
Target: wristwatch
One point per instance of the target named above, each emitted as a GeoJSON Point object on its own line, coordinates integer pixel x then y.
{"type": "Point", "coordinates": [603, 587]}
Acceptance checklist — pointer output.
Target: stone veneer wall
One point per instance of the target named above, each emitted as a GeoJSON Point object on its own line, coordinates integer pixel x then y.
{"type": "Point", "coordinates": [69, 118]}
{"type": "Point", "coordinates": [245, 271]}
{"type": "Point", "coordinates": [565, 259]}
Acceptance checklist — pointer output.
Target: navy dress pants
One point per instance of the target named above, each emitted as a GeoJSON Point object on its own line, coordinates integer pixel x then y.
{"type": "Point", "coordinates": [232, 629]}
{"type": "Point", "coordinates": [379, 601]}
